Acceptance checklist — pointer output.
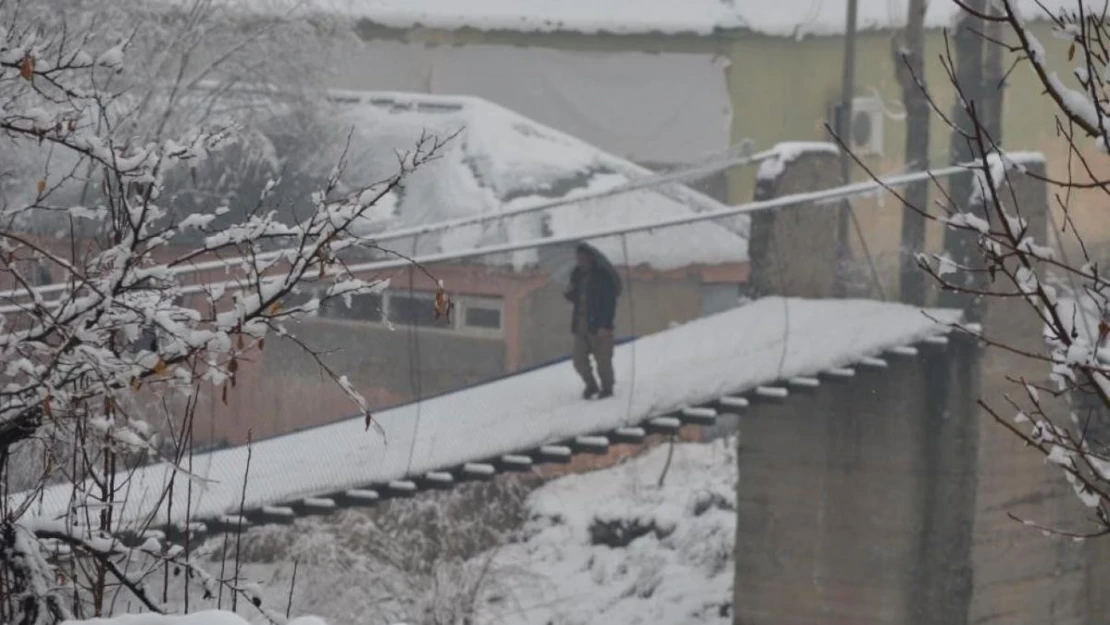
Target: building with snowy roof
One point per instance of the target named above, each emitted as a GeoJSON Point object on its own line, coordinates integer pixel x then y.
{"type": "Point", "coordinates": [662, 82]}
{"type": "Point", "coordinates": [509, 313]}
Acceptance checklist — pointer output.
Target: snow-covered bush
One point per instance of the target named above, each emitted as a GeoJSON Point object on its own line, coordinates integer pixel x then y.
{"type": "Point", "coordinates": [421, 560]}
{"type": "Point", "coordinates": [511, 554]}
{"type": "Point", "coordinates": [204, 617]}
{"type": "Point", "coordinates": [97, 323]}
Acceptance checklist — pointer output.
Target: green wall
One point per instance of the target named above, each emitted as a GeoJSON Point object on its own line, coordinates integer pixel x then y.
{"type": "Point", "coordinates": [781, 89]}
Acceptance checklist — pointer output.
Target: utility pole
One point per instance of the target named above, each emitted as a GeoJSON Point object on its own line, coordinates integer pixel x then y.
{"type": "Point", "coordinates": [908, 56]}
{"type": "Point", "coordinates": [844, 130]}
{"type": "Point", "coordinates": [967, 43]}
{"type": "Point", "coordinates": [848, 87]}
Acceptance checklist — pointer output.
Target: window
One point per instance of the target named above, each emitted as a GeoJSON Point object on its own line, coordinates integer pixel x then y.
{"type": "Point", "coordinates": [481, 314]}
{"type": "Point", "coordinates": [415, 309]}
{"type": "Point", "coordinates": [43, 276]}
{"type": "Point", "coordinates": [477, 315]}
{"type": "Point", "coordinates": [717, 298]}
{"type": "Point", "coordinates": [35, 272]}
{"type": "Point", "coordinates": [483, 318]}
{"type": "Point", "coordinates": [298, 297]}
{"type": "Point", "coordinates": [406, 309]}
{"type": "Point", "coordinates": [364, 307]}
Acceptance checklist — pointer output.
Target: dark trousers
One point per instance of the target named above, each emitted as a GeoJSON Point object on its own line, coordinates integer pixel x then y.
{"type": "Point", "coordinates": [599, 345]}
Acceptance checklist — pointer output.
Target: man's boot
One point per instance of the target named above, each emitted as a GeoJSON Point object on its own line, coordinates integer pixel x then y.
{"type": "Point", "coordinates": [591, 390]}
{"type": "Point", "coordinates": [605, 392]}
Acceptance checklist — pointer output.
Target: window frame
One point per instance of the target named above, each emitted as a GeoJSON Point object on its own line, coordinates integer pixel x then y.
{"type": "Point", "coordinates": [340, 305]}
{"type": "Point", "coordinates": [458, 325]}
{"type": "Point", "coordinates": [387, 309]}
{"type": "Point", "coordinates": [467, 302]}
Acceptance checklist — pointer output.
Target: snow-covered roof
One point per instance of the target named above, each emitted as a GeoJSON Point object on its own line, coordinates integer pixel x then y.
{"type": "Point", "coordinates": [502, 160]}
{"type": "Point", "coordinates": [796, 18]}
{"type": "Point", "coordinates": [727, 353]}
{"type": "Point", "coordinates": [778, 18]}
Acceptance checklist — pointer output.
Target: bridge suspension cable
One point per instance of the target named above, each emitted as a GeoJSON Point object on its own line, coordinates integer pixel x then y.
{"type": "Point", "coordinates": [815, 197]}
{"type": "Point", "coordinates": [737, 155]}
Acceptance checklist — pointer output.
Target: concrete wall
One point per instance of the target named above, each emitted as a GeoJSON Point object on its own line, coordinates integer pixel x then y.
{"type": "Point", "coordinates": [1020, 575]}
{"type": "Point", "coordinates": [855, 504]}
{"type": "Point", "coordinates": [888, 500]}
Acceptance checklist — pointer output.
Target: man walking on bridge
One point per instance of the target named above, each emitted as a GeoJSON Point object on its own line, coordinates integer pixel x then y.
{"type": "Point", "coordinates": [593, 290]}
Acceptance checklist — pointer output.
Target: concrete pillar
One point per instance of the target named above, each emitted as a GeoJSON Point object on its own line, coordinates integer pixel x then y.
{"type": "Point", "coordinates": [887, 499]}
{"type": "Point", "coordinates": [855, 505]}
{"type": "Point", "coordinates": [1021, 576]}
{"type": "Point", "coordinates": [793, 249]}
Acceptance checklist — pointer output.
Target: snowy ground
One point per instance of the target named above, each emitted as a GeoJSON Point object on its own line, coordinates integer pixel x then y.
{"type": "Point", "coordinates": [610, 547]}
{"type": "Point", "coordinates": [676, 567]}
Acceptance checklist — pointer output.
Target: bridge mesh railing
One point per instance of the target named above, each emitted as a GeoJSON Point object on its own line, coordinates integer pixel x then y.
{"type": "Point", "coordinates": [509, 313]}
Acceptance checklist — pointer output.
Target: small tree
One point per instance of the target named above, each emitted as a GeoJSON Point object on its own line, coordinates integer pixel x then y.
{"type": "Point", "coordinates": [118, 322]}
{"type": "Point", "coordinates": [992, 251]}
{"type": "Point", "coordinates": [199, 59]}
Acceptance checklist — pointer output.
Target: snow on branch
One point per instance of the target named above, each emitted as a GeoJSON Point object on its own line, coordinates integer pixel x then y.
{"type": "Point", "coordinates": [1087, 32]}
{"type": "Point", "coordinates": [77, 372]}
{"type": "Point", "coordinates": [998, 250]}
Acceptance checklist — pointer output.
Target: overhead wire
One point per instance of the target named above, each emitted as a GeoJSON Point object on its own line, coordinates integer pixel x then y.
{"type": "Point", "coordinates": [866, 251]}
{"type": "Point", "coordinates": [735, 156]}
{"type": "Point", "coordinates": [809, 197]}
{"type": "Point", "coordinates": [635, 335]}
{"type": "Point", "coordinates": [416, 362]}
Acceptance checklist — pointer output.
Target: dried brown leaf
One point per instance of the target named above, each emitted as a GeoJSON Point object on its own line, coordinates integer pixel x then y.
{"type": "Point", "coordinates": [27, 67]}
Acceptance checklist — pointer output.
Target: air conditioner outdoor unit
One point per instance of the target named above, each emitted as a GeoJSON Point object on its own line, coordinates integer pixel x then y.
{"type": "Point", "coordinates": [865, 135]}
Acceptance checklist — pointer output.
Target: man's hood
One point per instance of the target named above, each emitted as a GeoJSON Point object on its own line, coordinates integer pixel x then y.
{"type": "Point", "coordinates": [602, 263]}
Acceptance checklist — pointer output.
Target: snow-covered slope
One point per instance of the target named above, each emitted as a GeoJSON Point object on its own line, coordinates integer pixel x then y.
{"type": "Point", "coordinates": [610, 546]}
{"type": "Point", "coordinates": [734, 351]}
{"type": "Point", "coordinates": [204, 617]}
{"type": "Point", "coordinates": [499, 160]}
{"type": "Point", "coordinates": [614, 547]}
{"type": "Point", "coordinates": [702, 17]}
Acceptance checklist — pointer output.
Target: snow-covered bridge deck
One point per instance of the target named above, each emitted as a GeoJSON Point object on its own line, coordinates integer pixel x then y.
{"type": "Point", "coordinates": [682, 375]}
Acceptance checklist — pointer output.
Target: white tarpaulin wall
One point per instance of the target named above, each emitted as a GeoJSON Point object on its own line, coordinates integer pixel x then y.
{"type": "Point", "coordinates": [648, 108]}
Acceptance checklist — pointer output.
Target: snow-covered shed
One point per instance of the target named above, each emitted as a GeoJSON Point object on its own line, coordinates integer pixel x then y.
{"type": "Point", "coordinates": [496, 161]}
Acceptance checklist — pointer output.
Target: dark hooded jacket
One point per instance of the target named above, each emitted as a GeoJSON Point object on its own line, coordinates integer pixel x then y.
{"type": "Point", "coordinates": [603, 287]}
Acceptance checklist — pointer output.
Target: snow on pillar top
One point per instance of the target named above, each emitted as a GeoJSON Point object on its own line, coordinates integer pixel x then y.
{"type": "Point", "coordinates": [785, 153]}
{"type": "Point", "coordinates": [795, 257]}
